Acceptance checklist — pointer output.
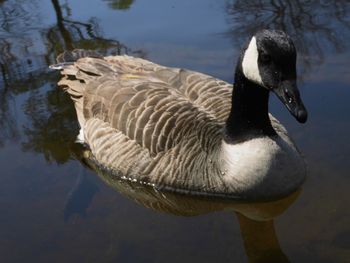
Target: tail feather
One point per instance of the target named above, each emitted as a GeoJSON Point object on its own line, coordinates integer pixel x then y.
{"type": "Point", "coordinates": [81, 69]}
{"type": "Point", "coordinates": [68, 58]}
{"type": "Point", "coordinates": [75, 89]}
{"type": "Point", "coordinates": [72, 56]}
{"type": "Point", "coordinates": [74, 81]}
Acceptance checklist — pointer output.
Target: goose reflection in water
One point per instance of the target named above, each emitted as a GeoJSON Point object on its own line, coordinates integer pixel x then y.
{"type": "Point", "coordinates": [256, 220]}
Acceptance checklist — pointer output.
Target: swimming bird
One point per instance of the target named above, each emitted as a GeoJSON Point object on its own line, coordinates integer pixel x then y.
{"type": "Point", "coordinates": [187, 132]}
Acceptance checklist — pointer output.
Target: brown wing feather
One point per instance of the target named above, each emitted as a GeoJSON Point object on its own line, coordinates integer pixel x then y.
{"type": "Point", "coordinates": [150, 104]}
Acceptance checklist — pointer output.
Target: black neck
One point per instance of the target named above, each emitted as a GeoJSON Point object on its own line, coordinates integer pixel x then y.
{"type": "Point", "coordinates": [249, 116]}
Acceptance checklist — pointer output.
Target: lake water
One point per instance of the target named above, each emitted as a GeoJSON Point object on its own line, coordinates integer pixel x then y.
{"type": "Point", "coordinates": [54, 209]}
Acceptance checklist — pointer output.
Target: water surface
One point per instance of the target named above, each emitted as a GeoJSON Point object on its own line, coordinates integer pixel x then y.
{"type": "Point", "coordinates": [54, 209]}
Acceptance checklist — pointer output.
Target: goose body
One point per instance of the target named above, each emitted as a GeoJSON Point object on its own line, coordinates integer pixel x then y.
{"type": "Point", "coordinates": [181, 130]}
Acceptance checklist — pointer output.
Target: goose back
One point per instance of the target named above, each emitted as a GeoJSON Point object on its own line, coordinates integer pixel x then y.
{"type": "Point", "coordinates": [152, 123]}
{"type": "Point", "coordinates": [156, 125]}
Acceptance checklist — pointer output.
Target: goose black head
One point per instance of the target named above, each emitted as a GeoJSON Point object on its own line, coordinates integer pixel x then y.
{"type": "Point", "coordinates": [270, 61]}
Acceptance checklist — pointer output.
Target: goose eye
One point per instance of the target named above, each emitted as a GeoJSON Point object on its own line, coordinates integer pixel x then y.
{"type": "Point", "coordinates": [265, 58]}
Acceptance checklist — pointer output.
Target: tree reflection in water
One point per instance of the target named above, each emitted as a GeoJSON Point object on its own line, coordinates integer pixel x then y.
{"type": "Point", "coordinates": [51, 126]}
{"type": "Point", "coordinates": [8, 124]}
{"type": "Point", "coordinates": [25, 54]}
{"type": "Point", "coordinates": [119, 4]}
{"type": "Point", "coordinates": [11, 38]}
{"type": "Point", "coordinates": [24, 59]}
{"type": "Point", "coordinates": [314, 25]}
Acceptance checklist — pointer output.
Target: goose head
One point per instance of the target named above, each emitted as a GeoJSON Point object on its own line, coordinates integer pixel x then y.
{"type": "Point", "coordinates": [269, 60]}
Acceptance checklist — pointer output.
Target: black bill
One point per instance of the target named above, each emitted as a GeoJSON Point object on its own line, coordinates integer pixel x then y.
{"type": "Point", "coordinates": [289, 94]}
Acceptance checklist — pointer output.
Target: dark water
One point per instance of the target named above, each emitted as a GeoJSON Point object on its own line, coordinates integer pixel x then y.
{"type": "Point", "coordinates": [54, 209]}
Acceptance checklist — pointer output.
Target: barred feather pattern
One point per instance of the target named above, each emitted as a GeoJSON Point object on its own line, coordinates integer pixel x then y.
{"type": "Point", "coordinates": [155, 125]}
{"type": "Point", "coordinates": [151, 123]}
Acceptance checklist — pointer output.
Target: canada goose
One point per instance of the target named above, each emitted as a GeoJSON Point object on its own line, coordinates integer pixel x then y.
{"type": "Point", "coordinates": [182, 131]}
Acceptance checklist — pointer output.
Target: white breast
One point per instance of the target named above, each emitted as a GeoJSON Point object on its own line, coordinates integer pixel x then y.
{"type": "Point", "coordinates": [262, 166]}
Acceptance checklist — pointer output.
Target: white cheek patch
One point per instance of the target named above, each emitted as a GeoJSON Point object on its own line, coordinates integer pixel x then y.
{"type": "Point", "coordinates": [250, 63]}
